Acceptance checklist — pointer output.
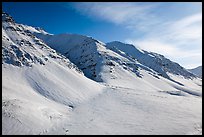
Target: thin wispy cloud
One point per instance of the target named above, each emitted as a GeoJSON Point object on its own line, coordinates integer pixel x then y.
{"type": "Point", "coordinates": [189, 28]}
{"type": "Point", "coordinates": [163, 30]}
{"type": "Point", "coordinates": [181, 39]}
{"type": "Point", "coordinates": [130, 14]}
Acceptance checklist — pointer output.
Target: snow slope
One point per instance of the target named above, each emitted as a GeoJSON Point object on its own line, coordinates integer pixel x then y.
{"type": "Point", "coordinates": [40, 87]}
{"type": "Point", "coordinates": [197, 71]}
{"type": "Point", "coordinates": [44, 93]}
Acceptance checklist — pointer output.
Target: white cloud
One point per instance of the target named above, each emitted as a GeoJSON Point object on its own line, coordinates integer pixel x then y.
{"type": "Point", "coordinates": [130, 14]}
{"type": "Point", "coordinates": [186, 29]}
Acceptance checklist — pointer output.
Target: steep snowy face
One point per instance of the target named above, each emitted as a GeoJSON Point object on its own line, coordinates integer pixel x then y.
{"type": "Point", "coordinates": [155, 61]}
{"type": "Point", "coordinates": [21, 48]}
{"type": "Point", "coordinates": [81, 50]}
{"type": "Point", "coordinates": [92, 56]}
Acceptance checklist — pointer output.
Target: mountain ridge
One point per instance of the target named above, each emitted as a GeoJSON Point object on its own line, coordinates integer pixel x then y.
{"type": "Point", "coordinates": [152, 61]}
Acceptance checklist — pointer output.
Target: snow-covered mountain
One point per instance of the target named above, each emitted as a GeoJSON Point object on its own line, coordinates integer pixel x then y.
{"type": "Point", "coordinates": [40, 86]}
{"type": "Point", "coordinates": [152, 60]}
{"type": "Point", "coordinates": [74, 84]}
{"type": "Point", "coordinates": [197, 71]}
{"type": "Point", "coordinates": [91, 56]}
{"type": "Point", "coordinates": [113, 62]}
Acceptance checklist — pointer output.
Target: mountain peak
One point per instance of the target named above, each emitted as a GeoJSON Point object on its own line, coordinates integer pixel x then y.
{"type": "Point", "coordinates": [7, 18]}
{"type": "Point", "coordinates": [197, 71]}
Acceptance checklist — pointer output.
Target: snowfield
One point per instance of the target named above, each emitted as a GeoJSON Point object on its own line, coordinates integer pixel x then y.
{"type": "Point", "coordinates": [91, 108]}
{"type": "Point", "coordinates": [71, 84]}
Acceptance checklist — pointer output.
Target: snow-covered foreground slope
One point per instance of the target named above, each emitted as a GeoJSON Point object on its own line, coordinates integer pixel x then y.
{"type": "Point", "coordinates": [114, 110]}
{"type": "Point", "coordinates": [44, 93]}
{"type": "Point", "coordinates": [129, 111]}
{"type": "Point", "coordinates": [37, 98]}
{"type": "Point", "coordinates": [133, 106]}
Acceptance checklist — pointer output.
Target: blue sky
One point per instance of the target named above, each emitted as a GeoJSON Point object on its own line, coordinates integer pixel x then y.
{"type": "Point", "coordinates": [173, 29]}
